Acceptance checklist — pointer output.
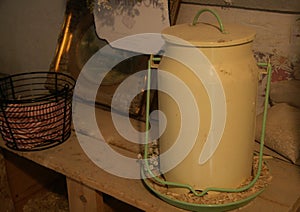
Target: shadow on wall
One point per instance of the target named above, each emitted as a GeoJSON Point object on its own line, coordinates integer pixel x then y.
{"type": "Point", "coordinates": [29, 32]}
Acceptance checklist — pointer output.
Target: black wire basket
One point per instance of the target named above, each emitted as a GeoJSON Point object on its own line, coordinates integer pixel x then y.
{"type": "Point", "coordinates": [36, 109]}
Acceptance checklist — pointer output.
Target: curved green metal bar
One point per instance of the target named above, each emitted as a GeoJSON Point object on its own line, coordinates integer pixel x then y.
{"type": "Point", "coordinates": [212, 12]}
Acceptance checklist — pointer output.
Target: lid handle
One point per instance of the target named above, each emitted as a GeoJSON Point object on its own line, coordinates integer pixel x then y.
{"type": "Point", "coordinates": [212, 12]}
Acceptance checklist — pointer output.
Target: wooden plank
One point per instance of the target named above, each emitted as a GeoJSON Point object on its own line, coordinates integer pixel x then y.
{"type": "Point", "coordinates": [5, 194]}
{"type": "Point", "coordinates": [70, 160]}
{"type": "Point", "coordinates": [290, 6]}
{"type": "Point", "coordinates": [26, 179]}
{"type": "Point", "coordinates": [173, 10]}
{"type": "Point", "coordinates": [82, 198]}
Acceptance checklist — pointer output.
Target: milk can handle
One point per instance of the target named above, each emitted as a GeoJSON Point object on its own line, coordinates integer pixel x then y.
{"type": "Point", "coordinates": [212, 12]}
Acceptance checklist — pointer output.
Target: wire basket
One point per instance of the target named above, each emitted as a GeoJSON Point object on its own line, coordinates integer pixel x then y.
{"type": "Point", "coordinates": [36, 109]}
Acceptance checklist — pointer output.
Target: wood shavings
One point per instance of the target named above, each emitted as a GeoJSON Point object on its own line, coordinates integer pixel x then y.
{"type": "Point", "coordinates": [220, 197]}
{"type": "Point", "coordinates": [47, 202]}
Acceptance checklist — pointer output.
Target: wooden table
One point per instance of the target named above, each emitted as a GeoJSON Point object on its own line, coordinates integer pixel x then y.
{"type": "Point", "coordinates": [86, 183]}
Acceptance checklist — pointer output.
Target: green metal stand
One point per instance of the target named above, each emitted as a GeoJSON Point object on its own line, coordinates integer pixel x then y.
{"type": "Point", "coordinates": [204, 207]}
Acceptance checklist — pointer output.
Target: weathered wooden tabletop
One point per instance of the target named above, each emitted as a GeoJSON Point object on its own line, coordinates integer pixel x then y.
{"type": "Point", "coordinates": [70, 160]}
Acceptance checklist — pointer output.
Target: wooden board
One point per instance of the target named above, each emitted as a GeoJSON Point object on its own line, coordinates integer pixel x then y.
{"type": "Point", "coordinates": [82, 198]}
{"type": "Point", "coordinates": [26, 179]}
{"type": "Point", "coordinates": [173, 10]}
{"type": "Point", "coordinates": [5, 194]}
{"type": "Point", "coordinates": [70, 160]}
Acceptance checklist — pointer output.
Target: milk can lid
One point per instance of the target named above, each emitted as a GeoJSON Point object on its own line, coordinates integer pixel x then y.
{"type": "Point", "coordinates": [209, 35]}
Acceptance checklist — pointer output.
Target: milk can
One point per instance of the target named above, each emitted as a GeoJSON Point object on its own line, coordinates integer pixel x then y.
{"type": "Point", "coordinates": [229, 49]}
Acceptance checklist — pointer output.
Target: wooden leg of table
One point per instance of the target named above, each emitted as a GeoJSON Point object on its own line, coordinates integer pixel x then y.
{"type": "Point", "coordinates": [84, 199]}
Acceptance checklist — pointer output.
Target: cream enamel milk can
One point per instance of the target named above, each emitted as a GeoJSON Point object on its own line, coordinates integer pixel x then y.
{"type": "Point", "coordinates": [229, 49]}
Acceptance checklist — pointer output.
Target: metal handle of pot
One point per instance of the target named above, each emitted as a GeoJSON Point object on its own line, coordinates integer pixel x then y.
{"type": "Point", "coordinates": [212, 12]}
